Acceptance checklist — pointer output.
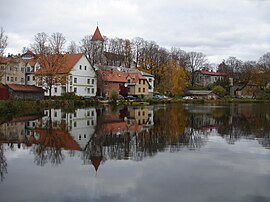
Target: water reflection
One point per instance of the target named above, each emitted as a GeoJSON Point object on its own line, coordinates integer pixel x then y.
{"type": "Point", "coordinates": [133, 133]}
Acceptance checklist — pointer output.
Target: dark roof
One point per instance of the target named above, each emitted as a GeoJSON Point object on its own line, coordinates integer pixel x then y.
{"type": "Point", "coordinates": [25, 88]}
{"type": "Point", "coordinates": [199, 92]}
{"type": "Point", "coordinates": [113, 56]}
{"type": "Point", "coordinates": [97, 36]}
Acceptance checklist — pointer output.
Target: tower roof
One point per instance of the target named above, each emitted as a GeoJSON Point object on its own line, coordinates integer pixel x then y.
{"type": "Point", "coordinates": [97, 36]}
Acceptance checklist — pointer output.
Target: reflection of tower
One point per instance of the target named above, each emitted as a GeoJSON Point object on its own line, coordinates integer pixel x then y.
{"type": "Point", "coordinates": [97, 45]}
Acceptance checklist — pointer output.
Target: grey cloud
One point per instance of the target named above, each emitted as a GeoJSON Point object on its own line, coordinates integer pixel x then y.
{"type": "Point", "coordinates": [209, 25]}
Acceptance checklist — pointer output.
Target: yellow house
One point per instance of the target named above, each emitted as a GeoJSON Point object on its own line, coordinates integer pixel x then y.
{"type": "Point", "coordinates": [137, 85]}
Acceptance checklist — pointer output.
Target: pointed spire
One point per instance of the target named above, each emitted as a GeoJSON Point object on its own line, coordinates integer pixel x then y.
{"type": "Point", "coordinates": [96, 160]}
{"type": "Point", "coordinates": [97, 36]}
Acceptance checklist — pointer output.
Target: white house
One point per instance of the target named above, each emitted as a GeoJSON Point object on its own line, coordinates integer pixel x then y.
{"type": "Point", "coordinates": [81, 77]}
{"type": "Point", "coordinates": [32, 66]}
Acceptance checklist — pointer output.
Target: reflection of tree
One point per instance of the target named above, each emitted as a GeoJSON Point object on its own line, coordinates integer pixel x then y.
{"type": "Point", "coordinates": [3, 163]}
{"type": "Point", "coordinates": [49, 145]}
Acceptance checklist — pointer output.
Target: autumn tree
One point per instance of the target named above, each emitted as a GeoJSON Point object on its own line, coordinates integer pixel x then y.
{"type": "Point", "coordinates": [179, 79]}
{"type": "Point", "coordinates": [49, 51]}
{"type": "Point", "coordinates": [3, 41]}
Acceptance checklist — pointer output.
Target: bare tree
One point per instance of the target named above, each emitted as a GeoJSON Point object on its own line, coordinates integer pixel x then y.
{"type": "Point", "coordinates": [264, 61]}
{"type": "Point", "coordinates": [40, 45]}
{"type": "Point", "coordinates": [195, 61]}
{"type": "Point", "coordinates": [57, 42]}
{"type": "Point", "coordinates": [72, 47]}
{"type": "Point", "coordinates": [137, 44]}
{"type": "Point", "coordinates": [49, 52]}
{"type": "Point", "coordinates": [86, 46]}
{"type": "Point", "coordinates": [3, 41]}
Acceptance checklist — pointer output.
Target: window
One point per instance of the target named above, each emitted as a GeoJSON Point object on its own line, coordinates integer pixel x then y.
{"type": "Point", "coordinates": [22, 80]}
{"type": "Point", "coordinates": [139, 81]}
{"type": "Point", "coordinates": [75, 124]}
{"type": "Point", "coordinates": [143, 90]}
{"type": "Point", "coordinates": [55, 90]}
{"type": "Point", "coordinates": [28, 69]}
{"type": "Point", "coordinates": [93, 90]}
{"type": "Point", "coordinates": [93, 81]}
{"type": "Point", "coordinates": [139, 113]}
{"type": "Point", "coordinates": [70, 89]}
{"type": "Point", "coordinates": [85, 67]}
{"type": "Point", "coordinates": [75, 80]}
{"type": "Point", "coordinates": [128, 80]}
{"type": "Point", "coordinates": [88, 90]}
{"type": "Point", "coordinates": [143, 81]}
{"type": "Point", "coordinates": [7, 78]}
{"type": "Point", "coordinates": [88, 122]}
{"type": "Point", "coordinates": [15, 78]}
{"type": "Point", "coordinates": [11, 79]}
{"type": "Point", "coordinates": [75, 114]}
{"type": "Point", "coordinates": [22, 70]}
{"type": "Point", "coordinates": [84, 135]}
{"type": "Point", "coordinates": [80, 67]}
{"type": "Point", "coordinates": [88, 81]}
{"type": "Point", "coordinates": [92, 122]}
{"type": "Point", "coordinates": [92, 113]}
{"type": "Point", "coordinates": [28, 78]}
{"type": "Point", "coordinates": [55, 114]}
{"type": "Point", "coordinates": [34, 78]}
{"type": "Point", "coordinates": [139, 90]}
{"type": "Point", "coordinates": [150, 80]}
{"type": "Point", "coordinates": [75, 90]}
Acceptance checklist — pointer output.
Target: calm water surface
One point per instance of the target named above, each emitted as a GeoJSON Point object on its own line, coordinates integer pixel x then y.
{"type": "Point", "coordinates": [154, 153]}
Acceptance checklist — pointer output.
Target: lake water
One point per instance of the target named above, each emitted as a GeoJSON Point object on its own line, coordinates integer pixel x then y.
{"type": "Point", "coordinates": [155, 153]}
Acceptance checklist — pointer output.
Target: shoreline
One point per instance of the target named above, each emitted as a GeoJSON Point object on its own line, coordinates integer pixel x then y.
{"type": "Point", "coordinates": [21, 107]}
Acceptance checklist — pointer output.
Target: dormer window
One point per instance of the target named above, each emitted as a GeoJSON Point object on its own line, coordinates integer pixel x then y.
{"type": "Point", "coordinates": [80, 67]}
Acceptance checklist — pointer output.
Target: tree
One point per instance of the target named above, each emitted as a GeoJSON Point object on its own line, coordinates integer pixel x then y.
{"type": "Point", "coordinates": [195, 61]}
{"type": "Point", "coordinates": [72, 48]}
{"type": "Point", "coordinates": [3, 41]}
{"type": "Point", "coordinates": [264, 61]}
{"type": "Point", "coordinates": [179, 80]}
{"type": "Point", "coordinates": [219, 90]}
{"type": "Point", "coordinates": [57, 42]}
{"type": "Point", "coordinates": [86, 46]}
{"type": "Point", "coordinates": [52, 61]}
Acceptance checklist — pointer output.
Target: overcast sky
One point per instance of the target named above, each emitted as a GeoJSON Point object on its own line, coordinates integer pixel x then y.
{"type": "Point", "coordinates": [218, 28]}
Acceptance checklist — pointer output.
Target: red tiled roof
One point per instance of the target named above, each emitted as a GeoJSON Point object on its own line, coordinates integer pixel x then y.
{"type": "Point", "coordinates": [112, 76]}
{"type": "Point", "coordinates": [68, 62]}
{"type": "Point", "coordinates": [136, 76]}
{"type": "Point", "coordinates": [56, 138]}
{"type": "Point", "coordinates": [213, 73]}
{"type": "Point", "coordinates": [25, 88]}
{"type": "Point", "coordinates": [4, 60]}
{"type": "Point", "coordinates": [32, 61]}
{"type": "Point", "coordinates": [97, 36]}
{"type": "Point", "coordinates": [121, 77]}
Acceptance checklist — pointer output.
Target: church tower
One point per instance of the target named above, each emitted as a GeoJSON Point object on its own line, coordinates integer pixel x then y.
{"type": "Point", "coordinates": [97, 46]}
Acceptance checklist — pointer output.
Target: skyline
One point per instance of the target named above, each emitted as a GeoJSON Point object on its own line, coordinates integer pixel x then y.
{"type": "Point", "coordinates": [218, 29]}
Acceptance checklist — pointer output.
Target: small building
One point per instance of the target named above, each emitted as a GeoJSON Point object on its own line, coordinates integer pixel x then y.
{"type": "Point", "coordinates": [25, 92]}
{"type": "Point", "coordinates": [206, 78]}
{"type": "Point", "coordinates": [111, 81]}
{"type": "Point", "coordinates": [202, 94]}
{"type": "Point", "coordinates": [12, 70]}
{"type": "Point", "coordinates": [245, 89]}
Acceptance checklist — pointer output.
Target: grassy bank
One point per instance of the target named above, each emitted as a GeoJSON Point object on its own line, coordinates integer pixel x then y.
{"type": "Point", "coordinates": [21, 107]}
